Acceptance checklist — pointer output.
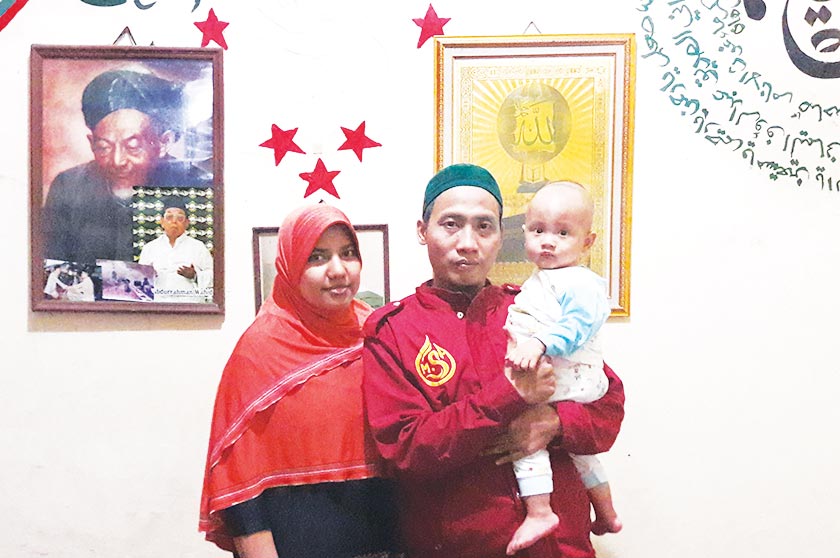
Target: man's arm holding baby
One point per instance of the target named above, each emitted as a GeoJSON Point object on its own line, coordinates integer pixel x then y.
{"type": "Point", "coordinates": [582, 428]}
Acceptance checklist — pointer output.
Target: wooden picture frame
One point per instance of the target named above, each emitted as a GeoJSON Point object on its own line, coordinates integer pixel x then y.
{"type": "Point", "coordinates": [375, 288]}
{"type": "Point", "coordinates": [539, 108]}
{"type": "Point", "coordinates": [117, 135]}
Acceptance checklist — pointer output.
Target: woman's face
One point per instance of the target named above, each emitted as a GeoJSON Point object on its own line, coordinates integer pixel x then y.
{"type": "Point", "coordinates": [331, 277]}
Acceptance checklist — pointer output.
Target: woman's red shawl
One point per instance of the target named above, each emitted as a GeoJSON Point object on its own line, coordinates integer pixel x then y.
{"type": "Point", "coordinates": [289, 406]}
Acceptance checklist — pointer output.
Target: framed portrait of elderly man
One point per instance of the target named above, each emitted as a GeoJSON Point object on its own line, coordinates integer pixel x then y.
{"type": "Point", "coordinates": [536, 109]}
{"type": "Point", "coordinates": [126, 189]}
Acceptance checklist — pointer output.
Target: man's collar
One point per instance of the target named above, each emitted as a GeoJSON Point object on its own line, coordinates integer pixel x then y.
{"type": "Point", "coordinates": [459, 301]}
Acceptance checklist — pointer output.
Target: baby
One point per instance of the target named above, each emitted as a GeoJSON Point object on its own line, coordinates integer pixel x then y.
{"type": "Point", "coordinates": [558, 314]}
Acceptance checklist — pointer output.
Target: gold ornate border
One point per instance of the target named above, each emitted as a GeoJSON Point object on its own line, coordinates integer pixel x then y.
{"type": "Point", "coordinates": [595, 76]}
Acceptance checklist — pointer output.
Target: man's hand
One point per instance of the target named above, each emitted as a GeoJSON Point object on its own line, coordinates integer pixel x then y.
{"type": "Point", "coordinates": [531, 431]}
{"type": "Point", "coordinates": [525, 354]}
{"type": "Point", "coordinates": [187, 271]}
{"type": "Point", "coordinates": [534, 387]}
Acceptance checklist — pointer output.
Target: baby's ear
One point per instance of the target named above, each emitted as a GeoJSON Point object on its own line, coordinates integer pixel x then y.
{"type": "Point", "coordinates": [590, 240]}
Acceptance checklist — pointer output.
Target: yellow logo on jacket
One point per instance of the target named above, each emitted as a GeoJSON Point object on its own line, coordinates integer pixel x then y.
{"type": "Point", "coordinates": [434, 364]}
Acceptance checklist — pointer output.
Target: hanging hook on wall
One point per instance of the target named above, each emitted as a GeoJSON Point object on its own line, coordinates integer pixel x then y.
{"type": "Point", "coordinates": [530, 25]}
{"type": "Point", "coordinates": [126, 33]}
{"type": "Point", "coordinates": [127, 36]}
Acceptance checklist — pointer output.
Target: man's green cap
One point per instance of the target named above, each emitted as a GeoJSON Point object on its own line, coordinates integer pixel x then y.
{"type": "Point", "coordinates": [460, 174]}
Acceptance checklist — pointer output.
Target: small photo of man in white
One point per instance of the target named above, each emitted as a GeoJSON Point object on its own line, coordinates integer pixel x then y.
{"type": "Point", "coordinates": [183, 265]}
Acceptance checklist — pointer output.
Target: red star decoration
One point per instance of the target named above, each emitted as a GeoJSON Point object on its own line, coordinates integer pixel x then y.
{"type": "Point", "coordinates": [357, 140]}
{"type": "Point", "coordinates": [430, 25]}
{"type": "Point", "coordinates": [281, 142]}
{"type": "Point", "coordinates": [320, 179]}
{"type": "Point", "coordinates": [212, 30]}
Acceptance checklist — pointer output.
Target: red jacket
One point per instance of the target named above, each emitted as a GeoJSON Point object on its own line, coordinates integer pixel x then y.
{"type": "Point", "coordinates": [435, 397]}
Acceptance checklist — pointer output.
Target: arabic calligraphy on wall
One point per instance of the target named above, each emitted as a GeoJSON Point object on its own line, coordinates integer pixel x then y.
{"type": "Point", "coordinates": [138, 3]}
{"type": "Point", "coordinates": [778, 117]}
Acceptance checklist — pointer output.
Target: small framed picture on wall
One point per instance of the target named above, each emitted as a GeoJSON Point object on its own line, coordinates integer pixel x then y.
{"type": "Point", "coordinates": [373, 245]}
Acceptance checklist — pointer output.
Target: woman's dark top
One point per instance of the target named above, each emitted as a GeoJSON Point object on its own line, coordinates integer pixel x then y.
{"type": "Point", "coordinates": [327, 520]}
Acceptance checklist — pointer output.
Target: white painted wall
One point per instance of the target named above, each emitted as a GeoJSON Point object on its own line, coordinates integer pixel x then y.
{"type": "Point", "coordinates": [729, 446]}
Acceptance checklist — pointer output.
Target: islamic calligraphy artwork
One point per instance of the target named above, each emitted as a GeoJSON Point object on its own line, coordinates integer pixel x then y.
{"type": "Point", "coordinates": [137, 3]}
{"type": "Point", "coordinates": [787, 132]}
{"type": "Point", "coordinates": [539, 108]}
{"type": "Point", "coordinates": [811, 39]}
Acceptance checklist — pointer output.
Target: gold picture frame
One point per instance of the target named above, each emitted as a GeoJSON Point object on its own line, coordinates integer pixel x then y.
{"type": "Point", "coordinates": [539, 108]}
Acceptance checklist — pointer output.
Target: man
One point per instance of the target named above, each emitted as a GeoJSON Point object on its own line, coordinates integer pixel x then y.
{"type": "Point", "coordinates": [133, 118]}
{"type": "Point", "coordinates": [70, 281]}
{"type": "Point", "coordinates": [444, 413]}
{"type": "Point", "coordinates": [183, 265]}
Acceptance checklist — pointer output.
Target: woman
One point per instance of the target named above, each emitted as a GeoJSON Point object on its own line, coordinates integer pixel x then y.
{"type": "Point", "coordinates": [290, 466]}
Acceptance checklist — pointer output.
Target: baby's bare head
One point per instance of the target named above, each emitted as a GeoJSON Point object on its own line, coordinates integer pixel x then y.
{"type": "Point", "coordinates": [563, 200]}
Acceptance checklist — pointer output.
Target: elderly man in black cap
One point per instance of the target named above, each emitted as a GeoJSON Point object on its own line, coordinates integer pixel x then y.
{"type": "Point", "coordinates": [133, 119]}
{"type": "Point", "coordinates": [183, 265]}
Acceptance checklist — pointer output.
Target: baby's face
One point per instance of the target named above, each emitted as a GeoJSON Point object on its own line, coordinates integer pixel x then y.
{"type": "Point", "coordinates": [557, 229]}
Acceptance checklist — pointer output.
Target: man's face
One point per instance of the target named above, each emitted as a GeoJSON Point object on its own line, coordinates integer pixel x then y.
{"type": "Point", "coordinates": [174, 222]}
{"type": "Point", "coordinates": [463, 237]}
{"type": "Point", "coordinates": [126, 148]}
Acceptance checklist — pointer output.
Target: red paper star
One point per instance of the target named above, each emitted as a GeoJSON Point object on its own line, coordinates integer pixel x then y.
{"type": "Point", "coordinates": [320, 179]}
{"type": "Point", "coordinates": [431, 25]}
{"type": "Point", "coordinates": [281, 142]}
{"type": "Point", "coordinates": [357, 140]}
{"type": "Point", "coordinates": [212, 30]}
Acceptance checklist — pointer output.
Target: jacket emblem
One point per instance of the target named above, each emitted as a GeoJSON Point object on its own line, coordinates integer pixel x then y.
{"type": "Point", "coordinates": [434, 364]}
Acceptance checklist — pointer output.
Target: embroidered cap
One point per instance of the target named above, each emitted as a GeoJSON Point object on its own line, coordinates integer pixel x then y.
{"type": "Point", "coordinates": [460, 174]}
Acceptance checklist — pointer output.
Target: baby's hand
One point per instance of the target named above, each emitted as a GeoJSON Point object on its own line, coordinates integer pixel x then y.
{"type": "Point", "coordinates": [526, 354]}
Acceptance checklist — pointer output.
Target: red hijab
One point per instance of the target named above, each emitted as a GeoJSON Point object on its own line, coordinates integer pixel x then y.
{"type": "Point", "coordinates": [289, 406]}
